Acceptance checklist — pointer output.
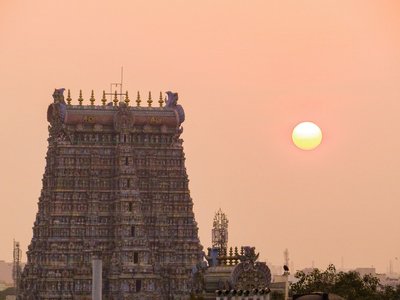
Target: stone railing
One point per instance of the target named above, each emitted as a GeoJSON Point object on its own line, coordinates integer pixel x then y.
{"type": "Point", "coordinates": [255, 294]}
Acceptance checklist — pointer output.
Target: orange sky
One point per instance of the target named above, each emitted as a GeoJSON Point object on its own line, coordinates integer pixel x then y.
{"type": "Point", "coordinates": [247, 72]}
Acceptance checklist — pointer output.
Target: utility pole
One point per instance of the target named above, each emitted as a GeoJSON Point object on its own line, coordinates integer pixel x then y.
{"type": "Point", "coordinates": [286, 272]}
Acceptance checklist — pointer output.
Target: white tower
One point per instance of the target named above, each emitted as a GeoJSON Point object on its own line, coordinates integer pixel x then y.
{"type": "Point", "coordinates": [17, 253]}
{"type": "Point", "coordinates": [286, 257]}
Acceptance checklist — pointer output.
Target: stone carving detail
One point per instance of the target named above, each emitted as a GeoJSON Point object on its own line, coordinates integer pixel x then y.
{"type": "Point", "coordinates": [97, 127]}
{"type": "Point", "coordinates": [123, 120]}
{"type": "Point", "coordinates": [249, 273]}
{"type": "Point", "coordinates": [248, 276]}
{"type": "Point", "coordinates": [58, 96]}
{"type": "Point", "coordinates": [55, 116]}
{"type": "Point", "coordinates": [249, 255]}
{"type": "Point", "coordinates": [172, 102]}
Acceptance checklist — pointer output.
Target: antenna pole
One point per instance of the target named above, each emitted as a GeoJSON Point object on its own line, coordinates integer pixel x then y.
{"type": "Point", "coordinates": [286, 272]}
{"type": "Point", "coordinates": [116, 84]}
{"type": "Point", "coordinates": [122, 78]}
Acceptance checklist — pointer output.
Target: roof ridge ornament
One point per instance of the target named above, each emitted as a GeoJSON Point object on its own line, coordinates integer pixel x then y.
{"type": "Point", "coordinates": [172, 102]}
{"type": "Point", "coordinates": [138, 99]}
{"type": "Point", "coordinates": [150, 101]}
{"type": "Point", "coordinates": [92, 99]}
{"type": "Point", "coordinates": [104, 100]}
{"type": "Point", "coordinates": [58, 96]}
{"type": "Point", "coordinates": [69, 98]}
{"type": "Point", "coordinates": [161, 101]}
{"type": "Point", "coordinates": [115, 99]}
{"type": "Point", "coordinates": [127, 100]}
{"type": "Point", "coordinates": [80, 99]}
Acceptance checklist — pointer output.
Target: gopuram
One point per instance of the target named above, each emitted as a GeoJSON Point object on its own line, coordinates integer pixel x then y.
{"type": "Point", "coordinates": [115, 191]}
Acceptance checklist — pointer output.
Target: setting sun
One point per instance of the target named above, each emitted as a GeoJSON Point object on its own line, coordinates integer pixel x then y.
{"type": "Point", "coordinates": [307, 136]}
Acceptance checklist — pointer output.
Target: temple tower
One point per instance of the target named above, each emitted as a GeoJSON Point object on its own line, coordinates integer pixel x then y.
{"type": "Point", "coordinates": [115, 187]}
{"type": "Point", "coordinates": [219, 232]}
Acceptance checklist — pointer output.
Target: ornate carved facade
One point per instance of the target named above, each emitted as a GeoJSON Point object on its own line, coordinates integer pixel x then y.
{"type": "Point", "coordinates": [115, 186]}
{"type": "Point", "coordinates": [230, 272]}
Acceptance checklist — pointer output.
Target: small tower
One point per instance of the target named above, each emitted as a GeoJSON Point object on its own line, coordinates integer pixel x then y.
{"type": "Point", "coordinates": [219, 232]}
{"type": "Point", "coordinates": [17, 253]}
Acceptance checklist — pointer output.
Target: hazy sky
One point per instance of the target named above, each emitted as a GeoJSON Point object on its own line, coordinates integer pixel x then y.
{"type": "Point", "coordinates": [247, 72]}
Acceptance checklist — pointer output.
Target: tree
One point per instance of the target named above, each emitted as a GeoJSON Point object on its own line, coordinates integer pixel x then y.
{"type": "Point", "coordinates": [391, 293]}
{"type": "Point", "coordinates": [316, 281]}
{"type": "Point", "coordinates": [349, 285]}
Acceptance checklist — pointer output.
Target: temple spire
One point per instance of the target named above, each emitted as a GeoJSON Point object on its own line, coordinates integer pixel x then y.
{"type": "Point", "coordinates": [80, 99]}
{"type": "Point", "coordinates": [69, 97]}
{"type": "Point", "coordinates": [115, 99]}
{"type": "Point", "coordinates": [150, 101]}
{"type": "Point", "coordinates": [138, 99]}
{"type": "Point", "coordinates": [220, 231]}
{"type": "Point", "coordinates": [127, 98]}
{"type": "Point", "coordinates": [104, 100]}
{"type": "Point", "coordinates": [161, 101]}
{"type": "Point", "coordinates": [92, 99]}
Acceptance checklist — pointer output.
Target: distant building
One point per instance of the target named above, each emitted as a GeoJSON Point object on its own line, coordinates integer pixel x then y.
{"type": "Point", "coordinates": [4, 286]}
{"type": "Point", "coordinates": [392, 280]}
{"type": "Point", "coordinates": [6, 272]}
{"type": "Point", "coordinates": [366, 271]}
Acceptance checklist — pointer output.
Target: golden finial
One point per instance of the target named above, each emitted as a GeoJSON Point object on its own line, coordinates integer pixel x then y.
{"type": "Point", "coordinates": [69, 97]}
{"type": "Point", "coordinates": [161, 101]}
{"type": "Point", "coordinates": [150, 100]}
{"type": "Point", "coordinates": [127, 98]}
{"type": "Point", "coordinates": [80, 99]}
{"type": "Point", "coordinates": [104, 100]}
{"type": "Point", "coordinates": [138, 99]}
{"type": "Point", "coordinates": [92, 98]}
{"type": "Point", "coordinates": [115, 99]}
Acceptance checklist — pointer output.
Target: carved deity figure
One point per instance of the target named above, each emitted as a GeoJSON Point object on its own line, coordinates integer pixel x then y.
{"type": "Point", "coordinates": [172, 102]}
{"type": "Point", "coordinates": [58, 96]}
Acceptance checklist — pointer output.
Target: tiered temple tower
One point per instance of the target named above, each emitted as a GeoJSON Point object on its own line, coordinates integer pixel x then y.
{"type": "Point", "coordinates": [115, 187]}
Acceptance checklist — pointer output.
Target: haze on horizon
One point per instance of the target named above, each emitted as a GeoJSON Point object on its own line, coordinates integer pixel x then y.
{"type": "Point", "coordinates": [246, 73]}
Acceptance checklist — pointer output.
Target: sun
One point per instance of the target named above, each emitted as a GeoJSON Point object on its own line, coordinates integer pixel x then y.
{"type": "Point", "coordinates": [307, 136]}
